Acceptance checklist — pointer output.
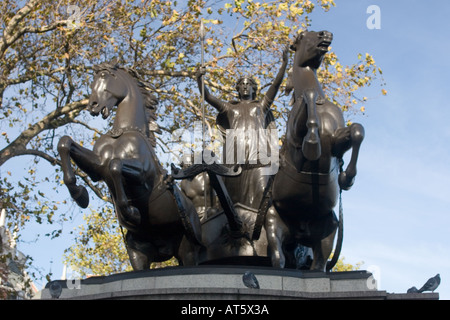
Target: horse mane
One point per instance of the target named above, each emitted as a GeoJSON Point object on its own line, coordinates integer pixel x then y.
{"type": "Point", "coordinates": [290, 86]}
{"type": "Point", "coordinates": [146, 89]}
{"type": "Point", "coordinates": [290, 81]}
{"type": "Point", "coordinates": [150, 103]}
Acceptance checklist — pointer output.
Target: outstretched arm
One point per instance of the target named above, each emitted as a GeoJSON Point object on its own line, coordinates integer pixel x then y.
{"type": "Point", "coordinates": [272, 92]}
{"type": "Point", "coordinates": [216, 103]}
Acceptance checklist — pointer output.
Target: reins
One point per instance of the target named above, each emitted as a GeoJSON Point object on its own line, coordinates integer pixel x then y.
{"type": "Point", "coordinates": [337, 251]}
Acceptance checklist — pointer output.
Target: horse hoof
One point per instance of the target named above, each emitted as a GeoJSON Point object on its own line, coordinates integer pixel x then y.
{"type": "Point", "coordinates": [345, 182]}
{"type": "Point", "coordinates": [81, 197]}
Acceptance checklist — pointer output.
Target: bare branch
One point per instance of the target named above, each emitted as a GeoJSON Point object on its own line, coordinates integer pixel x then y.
{"type": "Point", "coordinates": [53, 161]}
{"type": "Point", "coordinates": [48, 122]}
{"type": "Point", "coordinates": [153, 73]}
{"type": "Point", "coordinates": [11, 34]}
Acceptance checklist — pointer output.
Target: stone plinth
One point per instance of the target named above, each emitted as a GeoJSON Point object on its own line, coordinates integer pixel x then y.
{"type": "Point", "coordinates": [224, 283]}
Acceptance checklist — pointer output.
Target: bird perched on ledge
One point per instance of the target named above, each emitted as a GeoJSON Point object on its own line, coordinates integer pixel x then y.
{"type": "Point", "coordinates": [250, 280]}
{"type": "Point", "coordinates": [55, 289]}
{"type": "Point", "coordinates": [431, 284]}
{"type": "Point", "coordinates": [413, 290]}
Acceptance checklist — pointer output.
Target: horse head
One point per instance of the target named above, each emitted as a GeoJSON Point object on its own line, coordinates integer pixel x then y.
{"type": "Point", "coordinates": [310, 48]}
{"type": "Point", "coordinates": [108, 89]}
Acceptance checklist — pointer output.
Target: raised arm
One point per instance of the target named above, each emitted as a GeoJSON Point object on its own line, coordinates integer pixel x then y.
{"type": "Point", "coordinates": [219, 105]}
{"type": "Point", "coordinates": [272, 92]}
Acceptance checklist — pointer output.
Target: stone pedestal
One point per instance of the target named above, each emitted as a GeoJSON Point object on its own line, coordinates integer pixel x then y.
{"type": "Point", "coordinates": [225, 283]}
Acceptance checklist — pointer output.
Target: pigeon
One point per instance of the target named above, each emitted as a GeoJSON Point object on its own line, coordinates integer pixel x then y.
{"type": "Point", "coordinates": [55, 289]}
{"type": "Point", "coordinates": [431, 284]}
{"type": "Point", "coordinates": [412, 290]}
{"type": "Point", "coordinates": [303, 256]}
{"type": "Point", "coordinates": [250, 280]}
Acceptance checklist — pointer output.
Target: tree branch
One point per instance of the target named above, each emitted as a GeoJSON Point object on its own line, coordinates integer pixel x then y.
{"type": "Point", "coordinates": [11, 34]}
{"type": "Point", "coordinates": [153, 73]}
{"type": "Point", "coordinates": [48, 122]}
{"type": "Point", "coordinates": [53, 161]}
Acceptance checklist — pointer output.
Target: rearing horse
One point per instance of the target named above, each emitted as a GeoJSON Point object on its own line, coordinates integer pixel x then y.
{"type": "Point", "coordinates": [155, 213]}
{"type": "Point", "coordinates": [306, 188]}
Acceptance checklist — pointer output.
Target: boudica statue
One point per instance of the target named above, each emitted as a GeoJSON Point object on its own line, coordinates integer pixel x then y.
{"type": "Point", "coordinates": [249, 115]}
{"type": "Point", "coordinates": [246, 191]}
{"type": "Point", "coordinates": [306, 188]}
{"type": "Point", "coordinates": [279, 216]}
{"type": "Point", "coordinates": [159, 219]}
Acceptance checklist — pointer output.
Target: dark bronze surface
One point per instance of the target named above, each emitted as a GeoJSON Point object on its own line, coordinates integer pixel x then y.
{"type": "Point", "coordinates": [235, 231]}
{"type": "Point", "coordinates": [286, 218]}
{"type": "Point", "coordinates": [157, 216]}
{"type": "Point", "coordinates": [306, 187]}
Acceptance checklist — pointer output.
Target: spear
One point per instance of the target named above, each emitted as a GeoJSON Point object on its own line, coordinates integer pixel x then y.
{"type": "Point", "coordinates": [202, 38]}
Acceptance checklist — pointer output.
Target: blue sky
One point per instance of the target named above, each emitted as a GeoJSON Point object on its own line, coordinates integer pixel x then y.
{"type": "Point", "coordinates": [396, 216]}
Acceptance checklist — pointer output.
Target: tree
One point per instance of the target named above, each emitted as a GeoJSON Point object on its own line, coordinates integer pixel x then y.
{"type": "Point", "coordinates": [97, 241]}
{"type": "Point", "coordinates": [342, 266]}
{"type": "Point", "coordinates": [99, 247]}
{"type": "Point", "coordinates": [47, 51]}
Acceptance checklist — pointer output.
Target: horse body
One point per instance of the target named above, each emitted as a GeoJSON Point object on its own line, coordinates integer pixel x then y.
{"type": "Point", "coordinates": [156, 215]}
{"type": "Point", "coordinates": [307, 185]}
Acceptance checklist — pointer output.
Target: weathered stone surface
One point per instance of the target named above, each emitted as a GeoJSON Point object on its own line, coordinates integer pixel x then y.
{"type": "Point", "coordinates": [224, 283]}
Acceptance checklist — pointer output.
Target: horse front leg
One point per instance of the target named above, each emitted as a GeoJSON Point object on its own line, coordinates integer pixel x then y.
{"type": "Point", "coordinates": [355, 136]}
{"type": "Point", "coordinates": [311, 142]}
{"type": "Point", "coordinates": [132, 170]}
{"type": "Point", "coordinates": [86, 159]}
{"type": "Point", "coordinates": [323, 230]}
{"type": "Point", "coordinates": [321, 251]}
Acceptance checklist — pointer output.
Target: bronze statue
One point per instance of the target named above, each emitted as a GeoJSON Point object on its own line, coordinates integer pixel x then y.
{"type": "Point", "coordinates": [247, 190]}
{"type": "Point", "coordinates": [155, 213]}
{"type": "Point", "coordinates": [280, 217]}
{"type": "Point", "coordinates": [306, 187]}
{"type": "Point", "coordinates": [250, 115]}
{"type": "Point", "coordinates": [205, 201]}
